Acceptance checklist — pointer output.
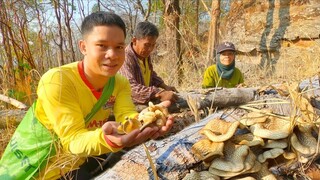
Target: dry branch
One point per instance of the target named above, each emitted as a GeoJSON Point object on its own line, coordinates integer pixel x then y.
{"type": "Point", "coordinates": [13, 102]}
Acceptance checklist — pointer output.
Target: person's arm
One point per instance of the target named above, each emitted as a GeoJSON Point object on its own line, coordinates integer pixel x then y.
{"type": "Point", "coordinates": [59, 99]}
{"type": "Point", "coordinates": [123, 105]}
{"type": "Point", "coordinates": [140, 93]}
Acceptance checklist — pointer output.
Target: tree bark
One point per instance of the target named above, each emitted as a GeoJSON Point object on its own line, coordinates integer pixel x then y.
{"type": "Point", "coordinates": [172, 20]}
{"type": "Point", "coordinates": [213, 31]}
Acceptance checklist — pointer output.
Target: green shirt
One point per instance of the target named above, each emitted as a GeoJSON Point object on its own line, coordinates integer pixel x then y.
{"type": "Point", "coordinates": [211, 78]}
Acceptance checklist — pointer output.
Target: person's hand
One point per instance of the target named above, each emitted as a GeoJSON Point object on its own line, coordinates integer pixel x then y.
{"type": "Point", "coordinates": [110, 130]}
{"type": "Point", "coordinates": [169, 123]}
{"type": "Point", "coordinates": [167, 96]}
{"type": "Point", "coordinates": [133, 138]}
{"type": "Point", "coordinates": [171, 88]}
{"type": "Point", "coordinates": [164, 129]}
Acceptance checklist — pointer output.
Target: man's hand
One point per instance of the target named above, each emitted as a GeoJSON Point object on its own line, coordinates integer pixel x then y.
{"type": "Point", "coordinates": [136, 136]}
{"type": "Point", "coordinates": [164, 129]}
{"type": "Point", "coordinates": [127, 140]}
{"type": "Point", "coordinates": [167, 96]}
{"type": "Point", "coordinates": [169, 123]}
{"type": "Point", "coordinates": [171, 88]}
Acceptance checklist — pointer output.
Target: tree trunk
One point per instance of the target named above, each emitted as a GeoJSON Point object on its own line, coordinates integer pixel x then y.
{"type": "Point", "coordinates": [173, 41]}
{"type": "Point", "coordinates": [213, 31]}
{"type": "Point", "coordinates": [60, 42]}
{"type": "Point", "coordinates": [67, 18]}
{"type": "Point", "coordinates": [196, 32]}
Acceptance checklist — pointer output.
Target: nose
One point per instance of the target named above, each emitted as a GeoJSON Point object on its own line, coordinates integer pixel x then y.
{"type": "Point", "coordinates": [111, 53]}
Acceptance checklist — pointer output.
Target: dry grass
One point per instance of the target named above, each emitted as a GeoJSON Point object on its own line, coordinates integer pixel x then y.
{"type": "Point", "coordinates": [295, 63]}
{"type": "Point", "coordinates": [5, 135]}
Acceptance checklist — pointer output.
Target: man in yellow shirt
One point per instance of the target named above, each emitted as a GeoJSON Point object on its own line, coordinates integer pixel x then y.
{"type": "Point", "coordinates": [145, 83]}
{"type": "Point", "coordinates": [67, 94]}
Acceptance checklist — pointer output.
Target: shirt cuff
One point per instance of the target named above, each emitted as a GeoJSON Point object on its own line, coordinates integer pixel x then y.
{"type": "Point", "coordinates": [111, 143]}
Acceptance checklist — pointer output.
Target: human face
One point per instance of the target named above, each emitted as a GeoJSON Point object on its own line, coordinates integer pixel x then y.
{"type": "Point", "coordinates": [227, 57]}
{"type": "Point", "coordinates": [144, 46]}
{"type": "Point", "coordinates": [103, 50]}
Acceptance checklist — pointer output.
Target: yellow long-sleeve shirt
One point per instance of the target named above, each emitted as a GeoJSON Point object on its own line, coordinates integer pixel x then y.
{"type": "Point", "coordinates": [65, 97]}
{"type": "Point", "coordinates": [212, 79]}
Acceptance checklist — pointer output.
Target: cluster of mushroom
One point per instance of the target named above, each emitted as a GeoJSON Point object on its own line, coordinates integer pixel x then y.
{"type": "Point", "coordinates": [242, 148]}
{"type": "Point", "coordinates": [153, 114]}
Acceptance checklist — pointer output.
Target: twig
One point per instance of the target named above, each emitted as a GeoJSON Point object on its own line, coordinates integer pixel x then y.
{"type": "Point", "coordinates": [13, 102]}
{"type": "Point", "coordinates": [150, 161]}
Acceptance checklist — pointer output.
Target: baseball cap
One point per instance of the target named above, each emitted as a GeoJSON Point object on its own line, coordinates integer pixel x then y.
{"type": "Point", "coordinates": [225, 46]}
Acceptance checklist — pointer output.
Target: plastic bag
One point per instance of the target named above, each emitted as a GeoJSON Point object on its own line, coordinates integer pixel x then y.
{"type": "Point", "coordinates": [28, 150]}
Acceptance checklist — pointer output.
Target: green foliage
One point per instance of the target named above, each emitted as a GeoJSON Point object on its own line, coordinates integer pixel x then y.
{"type": "Point", "coordinates": [25, 66]}
{"type": "Point", "coordinates": [18, 95]}
{"type": "Point", "coordinates": [157, 7]}
{"type": "Point", "coordinates": [95, 8]}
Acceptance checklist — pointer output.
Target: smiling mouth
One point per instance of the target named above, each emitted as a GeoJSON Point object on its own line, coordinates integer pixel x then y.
{"type": "Point", "coordinates": [109, 65]}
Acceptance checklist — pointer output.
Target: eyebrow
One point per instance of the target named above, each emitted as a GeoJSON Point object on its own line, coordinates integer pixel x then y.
{"type": "Point", "coordinates": [104, 41]}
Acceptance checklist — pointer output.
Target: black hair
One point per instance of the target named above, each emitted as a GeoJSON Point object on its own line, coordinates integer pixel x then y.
{"type": "Point", "coordinates": [101, 18]}
{"type": "Point", "coordinates": [144, 29]}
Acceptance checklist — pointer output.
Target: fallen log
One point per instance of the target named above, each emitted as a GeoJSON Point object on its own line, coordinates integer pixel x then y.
{"type": "Point", "coordinates": [213, 97]}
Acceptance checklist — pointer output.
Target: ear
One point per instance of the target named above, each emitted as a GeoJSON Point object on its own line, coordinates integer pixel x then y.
{"type": "Point", "coordinates": [134, 40]}
{"type": "Point", "coordinates": [82, 47]}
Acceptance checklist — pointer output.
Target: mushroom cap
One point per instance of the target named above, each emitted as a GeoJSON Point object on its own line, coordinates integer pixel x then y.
{"type": "Point", "coordinates": [247, 139]}
{"type": "Point", "coordinates": [273, 128]}
{"type": "Point", "coordinates": [255, 117]}
{"type": "Point", "coordinates": [303, 141]}
{"type": "Point", "coordinates": [251, 166]}
{"type": "Point", "coordinates": [289, 155]}
{"type": "Point", "coordinates": [129, 125]}
{"type": "Point", "coordinates": [153, 113]}
{"type": "Point", "coordinates": [159, 107]}
{"type": "Point", "coordinates": [279, 143]}
{"type": "Point", "coordinates": [270, 154]}
{"type": "Point", "coordinates": [264, 173]}
{"type": "Point", "coordinates": [194, 175]}
{"type": "Point", "coordinates": [244, 178]}
{"type": "Point", "coordinates": [219, 130]}
{"type": "Point", "coordinates": [207, 150]}
{"type": "Point", "coordinates": [233, 159]}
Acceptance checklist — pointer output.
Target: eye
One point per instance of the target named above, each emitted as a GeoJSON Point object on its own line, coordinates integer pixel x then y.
{"type": "Point", "coordinates": [120, 47]}
{"type": "Point", "coordinates": [100, 45]}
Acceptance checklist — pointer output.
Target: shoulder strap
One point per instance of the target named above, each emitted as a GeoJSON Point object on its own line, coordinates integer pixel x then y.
{"type": "Point", "coordinates": [106, 93]}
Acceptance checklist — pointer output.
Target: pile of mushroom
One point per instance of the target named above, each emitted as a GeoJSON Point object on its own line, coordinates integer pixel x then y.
{"type": "Point", "coordinates": [245, 148]}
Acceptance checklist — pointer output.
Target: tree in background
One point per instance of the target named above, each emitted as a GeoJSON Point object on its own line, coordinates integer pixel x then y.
{"type": "Point", "coordinates": [171, 16]}
{"type": "Point", "coordinates": [213, 31]}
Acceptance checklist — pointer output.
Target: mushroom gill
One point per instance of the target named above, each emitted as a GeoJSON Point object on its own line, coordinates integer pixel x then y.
{"type": "Point", "coordinates": [303, 141]}
{"type": "Point", "coordinates": [207, 150]}
{"type": "Point", "coordinates": [270, 154]}
{"type": "Point", "coordinates": [247, 139]}
{"type": "Point", "coordinates": [233, 158]}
